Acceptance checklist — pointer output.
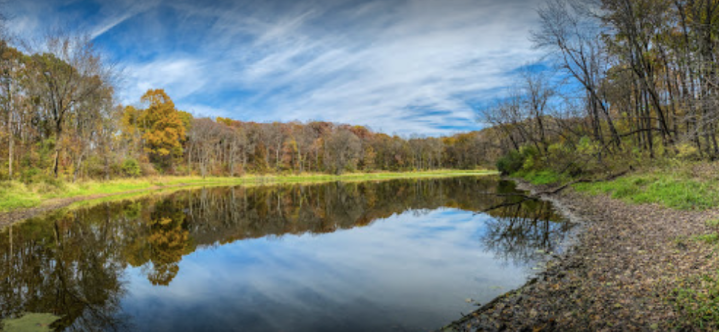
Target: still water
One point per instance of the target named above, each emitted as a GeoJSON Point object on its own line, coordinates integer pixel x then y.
{"type": "Point", "coordinates": [399, 255]}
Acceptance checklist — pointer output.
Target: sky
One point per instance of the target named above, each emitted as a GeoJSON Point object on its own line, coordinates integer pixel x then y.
{"type": "Point", "coordinates": [396, 66]}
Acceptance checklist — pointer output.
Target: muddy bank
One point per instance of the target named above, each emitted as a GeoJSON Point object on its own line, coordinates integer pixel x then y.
{"type": "Point", "coordinates": [8, 218]}
{"type": "Point", "coordinates": [619, 274]}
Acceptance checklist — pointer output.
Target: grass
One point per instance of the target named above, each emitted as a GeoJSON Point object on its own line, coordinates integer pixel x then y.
{"type": "Point", "coordinates": [676, 185]}
{"type": "Point", "coordinates": [665, 187]}
{"type": "Point", "coordinates": [673, 185]}
{"type": "Point", "coordinates": [697, 301]}
{"type": "Point", "coordinates": [15, 195]}
{"type": "Point", "coordinates": [29, 322]}
{"type": "Point", "coordinates": [541, 177]}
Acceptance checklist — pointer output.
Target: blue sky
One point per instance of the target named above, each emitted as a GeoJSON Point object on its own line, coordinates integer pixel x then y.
{"type": "Point", "coordinates": [397, 66]}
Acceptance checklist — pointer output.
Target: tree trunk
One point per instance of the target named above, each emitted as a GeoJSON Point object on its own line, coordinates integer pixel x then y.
{"type": "Point", "coordinates": [78, 165]}
{"type": "Point", "coordinates": [107, 167]}
{"type": "Point", "coordinates": [55, 163]}
{"type": "Point", "coordinates": [277, 157]}
{"type": "Point", "coordinates": [299, 159]}
{"type": "Point", "coordinates": [10, 153]}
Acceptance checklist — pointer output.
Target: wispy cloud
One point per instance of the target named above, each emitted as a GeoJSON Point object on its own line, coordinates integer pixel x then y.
{"type": "Point", "coordinates": [109, 24]}
{"type": "Point", "coordinates": [391, 65]}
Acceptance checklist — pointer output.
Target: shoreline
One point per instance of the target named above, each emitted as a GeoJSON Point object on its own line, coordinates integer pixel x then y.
{"type": "Point", "coordinates": [618, 272]}
{"type": "Point", "coordinates": [171, 184]}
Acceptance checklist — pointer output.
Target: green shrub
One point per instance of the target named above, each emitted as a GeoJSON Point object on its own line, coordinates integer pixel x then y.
{"type": "Point", "coordinates": [95, 167]}
{"type": "Point", "coordinates": [543, 177]}
{"type": "Point", "coordinates": [511, 162]}
{"type": "Point", "coordinates": [131, 168]}
{"type": "Point", "coordinates": [687, 152]}
{"type": "Point", "coordinates": [30, 175]}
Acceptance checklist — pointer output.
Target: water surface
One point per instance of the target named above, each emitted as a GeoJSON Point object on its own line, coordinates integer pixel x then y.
{"type": "Point", "coordinates": [399, 255]}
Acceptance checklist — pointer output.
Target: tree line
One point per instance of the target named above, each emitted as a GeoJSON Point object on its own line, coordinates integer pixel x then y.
{"type": "Point", "coordinates": [60, 118]}
{"type": "Point", "coordinates": [630, 80]}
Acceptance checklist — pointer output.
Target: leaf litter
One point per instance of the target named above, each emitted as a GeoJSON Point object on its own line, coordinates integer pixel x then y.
{"type": "Point", "coordinates": [621, 273]}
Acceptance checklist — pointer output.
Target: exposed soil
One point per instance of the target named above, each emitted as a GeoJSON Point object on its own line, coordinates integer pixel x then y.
{"type": "Point", "coordinates": [617, 276]}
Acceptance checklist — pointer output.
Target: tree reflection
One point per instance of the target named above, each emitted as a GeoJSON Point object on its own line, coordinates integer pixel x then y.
{"type": "Point", "coordinates": [68, 267]}
{"type": "Point", "coordinates": [72, 263]}
{"type": "Point", "coordinates": [161, 242]}
{"type": "Point", "coordinates": [522, 230]}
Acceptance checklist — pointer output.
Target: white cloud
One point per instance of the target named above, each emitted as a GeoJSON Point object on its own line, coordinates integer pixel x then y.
{"type": "Point", "coordinates": [111, 23]}
{"type": "Point", "coordinates": [180, 78]}
{"type": "Point", "coordinates": [378, 63]}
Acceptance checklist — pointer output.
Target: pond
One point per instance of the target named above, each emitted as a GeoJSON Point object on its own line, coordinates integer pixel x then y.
{"type": "Point", "coordinates": [396, 255]}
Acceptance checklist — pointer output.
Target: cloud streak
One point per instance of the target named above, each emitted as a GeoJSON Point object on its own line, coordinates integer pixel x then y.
{"type": "Point", "coordinates": [396, 66]}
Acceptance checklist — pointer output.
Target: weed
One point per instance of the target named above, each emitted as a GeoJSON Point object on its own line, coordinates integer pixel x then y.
{"type": "Point", "coordinates": [708, 238]}
{"type": "Point", "coordinates": [698, 301]}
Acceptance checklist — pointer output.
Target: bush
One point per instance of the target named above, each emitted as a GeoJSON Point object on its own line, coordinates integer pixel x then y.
{"type": "Point", "coordinates": [510, 162]}
{"type": "Point", "coordinates": [30, 175]}
{"type": "Point", "coordinates": [688, 152]}
{"type": "Point", "coordinates": [148, 169]}
{"type": "Point", "coordinates": [542, 177]}
{"type": "Point", "coordinates": [131, 168]}
{"type": "Point", "coordinates": [95, 167]}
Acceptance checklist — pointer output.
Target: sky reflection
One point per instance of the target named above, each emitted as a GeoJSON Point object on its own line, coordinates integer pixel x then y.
{"type": "Point", "coordinates": [407, 272]}
{"type": "Point", "coordinates": [368, 256]}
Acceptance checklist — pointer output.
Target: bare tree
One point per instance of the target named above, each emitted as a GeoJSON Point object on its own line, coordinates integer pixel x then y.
{"type": "Point", "coordinates": [341, 150]}
{"type": "Point", "coordinates": [571, 33]}
{"type": "Point", "coordinates": [69, 72]}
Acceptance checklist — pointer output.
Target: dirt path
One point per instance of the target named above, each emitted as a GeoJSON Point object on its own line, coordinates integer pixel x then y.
{"type": "Point", "coordinates": [618, 276]}
{"type": "Point", "coordinates": [8, 218]}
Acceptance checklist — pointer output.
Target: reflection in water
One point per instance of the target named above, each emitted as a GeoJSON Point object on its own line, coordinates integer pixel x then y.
{"type": "Point", "coordinates": [522, 230]}
{"type": "Point", "coordinates": [88, 266]}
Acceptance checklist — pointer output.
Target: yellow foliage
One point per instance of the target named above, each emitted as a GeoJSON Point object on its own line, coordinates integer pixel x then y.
{"type": "Point", "coordinates": [163, 126]}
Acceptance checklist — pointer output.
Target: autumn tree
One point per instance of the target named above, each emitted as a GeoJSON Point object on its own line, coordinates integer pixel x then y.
{"type": "Point", "coordinates": [163, 128]}
{"type": "Point", "coordinates": [342, 151]}
{"type": "Point", "coordinates": [66, 75]}
{"type": "Point", "coordinates": [11, 96]}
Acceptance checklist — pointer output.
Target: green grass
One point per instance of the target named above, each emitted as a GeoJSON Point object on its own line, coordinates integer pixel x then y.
{"type": "Point", "coordinates": [541, 177]}
{"type": "Point", "coordinates": [15, 195]}
{"type": "Point", "coordinates": [29, 322]}
{"type": "Point", "coordinates": [665, 187]}
{"type": "Point", "coordinates": [711, 238]}
{"type": "Point", "coordinates": [697, 302]}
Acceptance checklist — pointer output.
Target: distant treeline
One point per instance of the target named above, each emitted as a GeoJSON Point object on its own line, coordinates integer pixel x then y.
{"type": "Point", "coordinates": [634, 80]}
{"type": "Point", "coordinates": [59, 119]}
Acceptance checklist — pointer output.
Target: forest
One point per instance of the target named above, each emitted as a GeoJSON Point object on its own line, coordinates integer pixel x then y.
{"type": "Point", "coordinates": [60, 119]}
{"type": "Point", "coordinates": [627, 82]}
{"type": "Point", "coordinates": [620, 82]}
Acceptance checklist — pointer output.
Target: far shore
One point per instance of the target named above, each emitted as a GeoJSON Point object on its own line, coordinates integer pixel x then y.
{"type": "Point", "coordinates": [19, 201]}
